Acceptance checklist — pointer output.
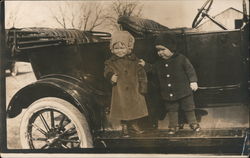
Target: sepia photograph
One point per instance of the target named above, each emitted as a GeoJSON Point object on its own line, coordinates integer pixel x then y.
{"type": "Point", "coordinates": [98, 78]}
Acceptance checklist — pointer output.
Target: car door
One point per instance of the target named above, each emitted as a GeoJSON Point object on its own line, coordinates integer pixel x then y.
{"type": "Point", "coordinates": [218, 58]}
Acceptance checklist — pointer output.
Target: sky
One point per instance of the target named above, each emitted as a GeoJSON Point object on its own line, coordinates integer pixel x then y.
{"type": "Point", "coordinates": [180, 13]}
{"type": "Point", "coordinates": [171, 13]}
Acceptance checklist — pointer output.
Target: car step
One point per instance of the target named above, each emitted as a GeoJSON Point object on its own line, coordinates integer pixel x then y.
{"type": "Point", "coordinates": [163, 134]}
{"type": "Point", "coordinates": [185, 141]}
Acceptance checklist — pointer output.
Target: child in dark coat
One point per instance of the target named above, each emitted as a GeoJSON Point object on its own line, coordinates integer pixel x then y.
{"type": "Point", "coordinates": [129, 82]}
{"type": "Point", "coordinates": [177, 79]}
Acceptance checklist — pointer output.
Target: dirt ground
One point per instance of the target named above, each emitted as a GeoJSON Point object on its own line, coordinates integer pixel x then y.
{"type": "Point", "coordinates": [13, 84]}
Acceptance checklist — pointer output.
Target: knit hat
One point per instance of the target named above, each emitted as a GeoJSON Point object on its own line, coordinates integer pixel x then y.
{"type": "Point", "coordinates": [124, 37]}
{"type": "Point", "coordinates": [168, 40]}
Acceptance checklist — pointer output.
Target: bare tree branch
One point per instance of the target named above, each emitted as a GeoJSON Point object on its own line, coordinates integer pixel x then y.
{"type": "Point", "coordinates": [86, 17]}
{"type": "Point", "coordinates": [83, 15]}
{"type": "Point", "coordinates": [123, 8]}
{"type": "Point", "coordinates": [60, 17]}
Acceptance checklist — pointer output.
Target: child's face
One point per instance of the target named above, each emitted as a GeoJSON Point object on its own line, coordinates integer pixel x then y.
{"type": "Point", "coordinates": [119, 49]}
{"type": "Point", "coordinates": [163, 52]}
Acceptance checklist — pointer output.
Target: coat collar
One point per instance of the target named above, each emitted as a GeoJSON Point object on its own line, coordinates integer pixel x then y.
{"type": "Point", "coordinates": [170, 59]}
{"type": "Point", "coordinates": [130, 56]}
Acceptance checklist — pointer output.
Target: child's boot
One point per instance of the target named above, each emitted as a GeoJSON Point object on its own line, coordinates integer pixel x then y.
{"type": "Point", "coordinates": [195, 127]}
{"type": "Point", "coordinates": [173, 130]}
{"type": "Point", "coordinates": [134, 128]}
{"type": "Point", "coordinates": [124, 129]}
{"type": "Point", "coordinates": [181, 126]}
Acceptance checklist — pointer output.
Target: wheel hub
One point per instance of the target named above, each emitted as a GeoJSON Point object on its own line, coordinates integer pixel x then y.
{"type": "Point", "coordinates": [52, 140]}
{"type": "Point", "coordinates": [53, 135]}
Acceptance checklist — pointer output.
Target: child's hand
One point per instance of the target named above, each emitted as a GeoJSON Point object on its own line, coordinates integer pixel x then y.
{"type": "Point", "coordinates": [142, 62]}
{"type": "Point", "coordinates": [194, 86]}
{"type": "Point", "coordinates": [114, 78]}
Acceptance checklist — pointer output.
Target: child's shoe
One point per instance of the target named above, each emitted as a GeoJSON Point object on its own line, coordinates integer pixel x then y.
{"type": "Point", "coordinates": [134, 128]}
{"type": "Point", "coordinates": [125, 130]}
{"type": "Point", "coordinates": [195, 127]}
{"type": "Point", "coordinates": [173, 130]}
{"type": "Point", "coordinates": [181, 126]}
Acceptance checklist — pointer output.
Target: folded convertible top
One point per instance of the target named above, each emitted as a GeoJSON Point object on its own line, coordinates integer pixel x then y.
{"type": "Point", "coordinates": [19, 39]}
{"type": "Point", "coordinates": [140, 27]}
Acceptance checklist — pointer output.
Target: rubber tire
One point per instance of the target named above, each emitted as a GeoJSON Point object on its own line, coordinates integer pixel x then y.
{"type": "Point", "coordinates": [67, 109]}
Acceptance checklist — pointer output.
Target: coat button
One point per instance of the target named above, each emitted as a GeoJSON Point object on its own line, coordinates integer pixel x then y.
{"type": "Point", "coordinates": [169, 85]}
{"type": "Point", "coordinates": [168, 75]}
{"type": "Point", "coordinates": [166, 65]}
{"type": "Point", "coordinates": [171, 95]}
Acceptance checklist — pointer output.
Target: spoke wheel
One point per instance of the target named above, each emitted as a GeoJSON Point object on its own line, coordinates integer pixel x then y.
{"type": "Point", "coordinates": [54, 123]}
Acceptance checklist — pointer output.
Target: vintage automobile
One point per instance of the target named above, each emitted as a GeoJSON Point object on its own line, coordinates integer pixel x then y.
{"type": "Point", "coordinates": [67, 107]}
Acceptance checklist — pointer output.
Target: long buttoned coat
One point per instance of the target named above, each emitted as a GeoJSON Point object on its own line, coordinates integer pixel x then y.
{"type": "Point", "coordinates": [174, 75]}
{"type": "Point", "coordinates": [127, 102]}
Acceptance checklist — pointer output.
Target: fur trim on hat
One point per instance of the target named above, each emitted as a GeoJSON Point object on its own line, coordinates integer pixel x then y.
{"type": "Point", "coordinates": [124, 37]}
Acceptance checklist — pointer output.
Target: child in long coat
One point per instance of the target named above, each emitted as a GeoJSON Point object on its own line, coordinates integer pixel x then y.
{"type": "Point", "coordinates": [177, 79]}
{"type": "Point", "coordinates": [129, 82]}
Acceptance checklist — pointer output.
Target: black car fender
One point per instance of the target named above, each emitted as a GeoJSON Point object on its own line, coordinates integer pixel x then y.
{"type": "Point", "coordinates": [65, 87]}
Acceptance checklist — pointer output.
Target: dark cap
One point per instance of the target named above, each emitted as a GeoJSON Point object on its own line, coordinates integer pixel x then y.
{"type": "Point", "coordinates": [168, 40]}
